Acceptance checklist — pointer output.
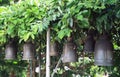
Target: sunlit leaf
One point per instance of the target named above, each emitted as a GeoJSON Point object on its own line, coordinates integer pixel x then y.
{"type": "Point", "coordinates": [15, 62]}
{"type": "Point", "coordinates": [64, 32]}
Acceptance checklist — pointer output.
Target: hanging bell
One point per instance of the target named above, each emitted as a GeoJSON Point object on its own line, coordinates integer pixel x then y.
{"type": "Point", "coordinates": [89, 44]}
{"type": "Point", "coordinates": [11, 51]}
{"type": "Point", "coordinates": [28, 51]}
{"type": "Point", "coordinates": [69, 52]}
{"type": "Point", "coordinates": [103, 52]}
{"type": "Point", "coordinates": [53, 49]}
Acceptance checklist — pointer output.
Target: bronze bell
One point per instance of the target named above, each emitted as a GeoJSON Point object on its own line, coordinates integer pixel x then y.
{"type": "Point", "coordinates": [69, 52]}
{"type": "Point", "coordinates": [53, 49]}
{"type": "Point", "coordinates": [28, 51]}
{"type": "Point", "coordinates": [89, 44]}
{"type": "Point", "coordinates": [103, 51]}
{"type": "Point", "coordinates": [11, 51]}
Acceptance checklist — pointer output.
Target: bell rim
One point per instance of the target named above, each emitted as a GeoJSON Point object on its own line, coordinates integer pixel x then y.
{"type": "Point", "coordinates": [8, 58]}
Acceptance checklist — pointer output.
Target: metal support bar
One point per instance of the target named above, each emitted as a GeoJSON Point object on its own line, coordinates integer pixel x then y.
{"type": "Point", "coordinates": [48, 54]}
{"type": "Point", "coordinates": [39, 55]}
{"type": "Point", "coordinates": [55, 70]}
{"type": "Point", "coordinates": [31, 68]}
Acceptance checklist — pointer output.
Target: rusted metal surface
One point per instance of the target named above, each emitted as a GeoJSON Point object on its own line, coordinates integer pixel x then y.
{"type": "Point", "coordinates": [103, 51]}
{"type": "Point", "coordinates": [28, 51]}
{"type": "Point", "coordinates": [10, 51]}
{"type": "Point", "coordinates": [69, 52]}
{"type": "Point", "coordinates": [53, 49]}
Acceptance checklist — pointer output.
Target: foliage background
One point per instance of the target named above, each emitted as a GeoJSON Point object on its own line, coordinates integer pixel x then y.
{"type": "Point", "coordinates": [29, 19]}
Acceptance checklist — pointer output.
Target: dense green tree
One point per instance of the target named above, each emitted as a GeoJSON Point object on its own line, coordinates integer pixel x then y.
{"type": "Point", "coordinates": [29, 20]}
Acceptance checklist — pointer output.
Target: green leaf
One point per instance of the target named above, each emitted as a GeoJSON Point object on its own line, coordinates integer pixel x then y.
{"type": "Point", "coordinates": [14, 21]}
{"type": "Point", "coordinates": [79, 17]}
{"type": "Point", "coordinates": [74, 64]}
{"type": "Point", "coordinates": [15, 62]}
{"type": "Point", "coordinates": [26, 36]}
{"type": "Point", "coordinates": [60, 71]}
{"type": "Point", "coordinates": [35, 28]}
{"type": "Point", "coordinates": [60, 9]}
{"type": "Point", "coordinates": [2, 32]}
{"type": "Point", "coordinates": [3, 10]}
{"type": "Point", "coordinates": [31, 19]}
{"type": "Point", "coordinates": [32, 35]}
{"type": "Point", "coordinates": [64, 32]}
{"type": "Point", "coordinates": [40, 27]}
{"type": "Point", "coordinates": [85, 23]}
{"type": "Point", "coordinates": [11, 30]}
{"type": "Point", "coordinates": [65, 16]}
{"type": "Point", "coordinates": [118, 14]}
